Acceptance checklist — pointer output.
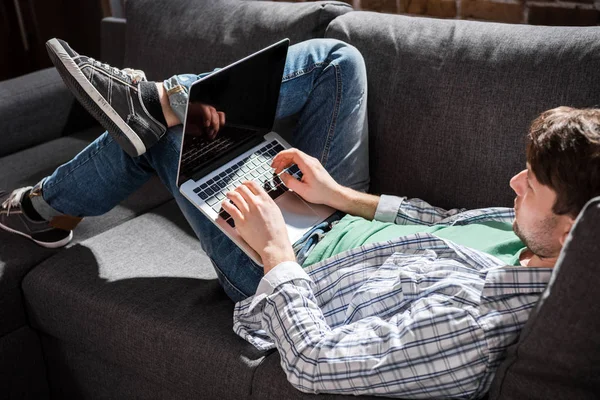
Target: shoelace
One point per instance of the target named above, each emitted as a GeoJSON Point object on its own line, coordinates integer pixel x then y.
{"type": "Point", "coordinates": [14, 200]}
{"type": "Point", "coordinates": [136, 75]}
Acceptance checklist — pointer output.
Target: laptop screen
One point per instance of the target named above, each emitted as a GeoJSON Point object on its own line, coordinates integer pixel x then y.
{"type": "Point", "coordinates": [247, 93]}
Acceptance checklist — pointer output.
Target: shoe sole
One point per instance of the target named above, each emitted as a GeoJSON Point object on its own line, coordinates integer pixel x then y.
{"type": "Point", "coordinates": [53, 245]}
{"type": "Point", "coordinates": [93, 101]}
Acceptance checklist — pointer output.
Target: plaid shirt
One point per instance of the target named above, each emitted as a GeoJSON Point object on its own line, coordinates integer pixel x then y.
{"type": "Point", "coordinates": [413, 317]}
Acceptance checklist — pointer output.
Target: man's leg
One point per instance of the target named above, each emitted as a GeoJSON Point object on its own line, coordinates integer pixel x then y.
{"type": "Point", "coordinates": [325, 85]}
{"type": "Point", "coordinates": [102, 175]}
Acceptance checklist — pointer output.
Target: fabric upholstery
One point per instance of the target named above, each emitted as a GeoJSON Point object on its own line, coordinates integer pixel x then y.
{"type": "Point", "coordinates": [36, 108]}
{"type": "Point", "coordinates": [134, 310]}
{"type": "Point", "coordinates": [201, 35]}
{"type": "Point", "coordinates": [76, 373]}
{"type": "Point", "coordinates": [22, 370]}
{"type": "Point", "coordinates": [450, 101]}
{"type": "Point", "coordinates": [558, 351]}
{"type": "Point", "coordinates": [143, 297]}
{"type": "Point", "coordinates": [18, 256]}
{"type": "Point", "coordinates": [113, 32]}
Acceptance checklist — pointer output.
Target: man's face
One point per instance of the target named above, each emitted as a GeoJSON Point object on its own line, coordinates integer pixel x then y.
{"type": "Point", "coordinates": [535, 223]}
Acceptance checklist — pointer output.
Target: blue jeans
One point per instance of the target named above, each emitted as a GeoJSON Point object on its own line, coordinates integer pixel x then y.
{"type": "Point", "coordinates": [324, 84]}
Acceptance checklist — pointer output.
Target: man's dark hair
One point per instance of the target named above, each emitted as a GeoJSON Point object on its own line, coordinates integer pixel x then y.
{"type": "Point", "coordinates": [563, 150]}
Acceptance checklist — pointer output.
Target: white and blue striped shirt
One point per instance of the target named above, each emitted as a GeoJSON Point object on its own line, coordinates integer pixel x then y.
{"type": "Point", "coordinates": [414, 317]}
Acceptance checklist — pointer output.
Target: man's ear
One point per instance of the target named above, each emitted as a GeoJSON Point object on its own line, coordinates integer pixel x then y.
{"type": "Point", "coordinates": [567, 226]}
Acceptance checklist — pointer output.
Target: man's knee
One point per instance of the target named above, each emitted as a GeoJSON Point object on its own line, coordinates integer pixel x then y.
{"type": "Point", "coordinates": [347, 57]}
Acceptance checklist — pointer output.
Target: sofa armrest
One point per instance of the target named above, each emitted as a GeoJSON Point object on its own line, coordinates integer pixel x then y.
{"type": "Point", "coordinates": [36, 108]}
{"type": "Point", "coordinates": [113, 41]}
{"type": "Point", "coordinates": [556, 356]}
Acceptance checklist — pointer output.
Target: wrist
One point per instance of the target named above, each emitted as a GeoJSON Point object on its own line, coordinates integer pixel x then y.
{"type": "Point", "coordinates": [340, 197]}
{"type": "Point", "coordinates": [355, 203]}
{"type": "Point", "coordinates": [271, 257]}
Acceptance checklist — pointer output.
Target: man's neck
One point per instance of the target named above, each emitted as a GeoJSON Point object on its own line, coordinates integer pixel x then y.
{"type": "Point", "coordinates": [529, 259]}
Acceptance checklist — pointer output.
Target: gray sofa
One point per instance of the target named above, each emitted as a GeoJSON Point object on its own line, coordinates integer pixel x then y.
{"type": "Point", "coordinates": [132, 308]}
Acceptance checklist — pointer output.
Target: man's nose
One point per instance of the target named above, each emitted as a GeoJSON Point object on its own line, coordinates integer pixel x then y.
{"type": "Point", "coordinates": [516, 182]}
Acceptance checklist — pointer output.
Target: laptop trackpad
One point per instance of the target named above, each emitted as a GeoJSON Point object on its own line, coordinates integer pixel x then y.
{"type": "Point", "coordinates": [299, 217]}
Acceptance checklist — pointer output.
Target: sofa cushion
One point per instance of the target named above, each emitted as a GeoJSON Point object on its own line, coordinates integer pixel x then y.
{"type": "Point", "coordinates": [20, 255]}
{"type": "Point", "coordinates": [144, 298]}
{"type": "Point", "coordinates": [22, 370]}
{"type": "Point", "coordinates": [450, 101]}
{"type": "Point", "coordinates": [77, 373]}
{"type": "Point", "coordinates": [557, 354]}
{"type": "Point", "coordinates": [167, 38]}
{"type": "Point", "coordinates": [38, 107]}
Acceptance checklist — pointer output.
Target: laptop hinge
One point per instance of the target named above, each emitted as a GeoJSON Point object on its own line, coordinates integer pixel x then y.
{"type": "Point", "coordinates": [196, 175]}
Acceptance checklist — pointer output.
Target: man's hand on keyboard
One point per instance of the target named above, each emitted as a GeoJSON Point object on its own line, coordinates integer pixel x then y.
{"type": "Point", "coordinates": [260, 223]}
{"type": "Point", "coordinates": [316, 185]}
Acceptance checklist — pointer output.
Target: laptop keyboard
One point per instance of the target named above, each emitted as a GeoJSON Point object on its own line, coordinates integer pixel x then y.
{"type": "Point", "coordinates": [200, 148]}
{"type": "Point", "coordinates": [256, 167]}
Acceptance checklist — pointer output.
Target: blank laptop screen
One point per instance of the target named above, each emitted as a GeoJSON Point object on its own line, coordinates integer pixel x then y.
{"type": "Point", "coordinates": [247, 92]}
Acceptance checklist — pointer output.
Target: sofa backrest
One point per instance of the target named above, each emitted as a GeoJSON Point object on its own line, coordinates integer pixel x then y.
{"type": "Point", "coordinates": [450, 101]}
{"type": "Point", "coordinates": [179, 36]}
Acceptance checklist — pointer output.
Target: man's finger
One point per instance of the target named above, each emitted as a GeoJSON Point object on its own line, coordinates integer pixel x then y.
{"type": "Point", "coordinates": [255, 188]}
{"type": "Point", "coordinates": [232, 210]}
{"type": "Point", "coordinates": [288, 157]}
{"type": "Point", "coordinates": [246, 193]}
{"type": "Point", "coordinates": [290, 181]}
{"type": "Point", "coordinates": [221, 117]}
{"type": "Point", "coordinates": [284, 156]}
{"type": "Point", "coordinates": [239, 201]}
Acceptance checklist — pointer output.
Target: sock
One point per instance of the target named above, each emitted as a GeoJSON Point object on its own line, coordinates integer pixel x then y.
{"type": "Point", "coordinates": [151, 101]}
{"type": "Point", "coordinates": [28, 208]}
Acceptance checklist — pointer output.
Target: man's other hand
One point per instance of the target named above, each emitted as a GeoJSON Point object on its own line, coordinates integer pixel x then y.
{"type": "Point", "coordinates": [260, 223]}
{"type": "Point", "coordinates": [316, 186]}
{"type": "Point", "coordinates": [204, 120]}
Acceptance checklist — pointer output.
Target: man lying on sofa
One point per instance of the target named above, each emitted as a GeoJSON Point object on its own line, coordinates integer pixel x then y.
{"type": "Point", "coordinates": [397, 298]}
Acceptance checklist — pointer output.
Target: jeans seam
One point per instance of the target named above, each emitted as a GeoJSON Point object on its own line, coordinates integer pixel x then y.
{"type": "Point", "coordinates": [303, 71]}
{"type": "Point", "coordinates": [336, 109]}
{"type": "Point", "coordinates": [71, 171]}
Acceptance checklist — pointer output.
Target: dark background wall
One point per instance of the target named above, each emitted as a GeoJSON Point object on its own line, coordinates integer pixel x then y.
{"type": "Point", "coordinates": [534, 12]}
{"type": "Point", "coordinates": [26, 25]}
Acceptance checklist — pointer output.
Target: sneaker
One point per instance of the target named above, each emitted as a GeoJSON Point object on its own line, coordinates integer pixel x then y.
{"type": "Point", "coordinates": [113, 96]}
{"type": "Point", "coordinates": [14, 220]}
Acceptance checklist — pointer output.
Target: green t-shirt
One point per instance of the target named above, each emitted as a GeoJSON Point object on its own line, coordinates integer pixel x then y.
{"type": "Point", "coordinates": [494, 238]}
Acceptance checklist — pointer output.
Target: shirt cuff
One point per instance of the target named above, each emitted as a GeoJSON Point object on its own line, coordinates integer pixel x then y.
{"type": "Point", "coordinates": [280, 274]}
{"type": "Point", "coordinates": [387, 209]}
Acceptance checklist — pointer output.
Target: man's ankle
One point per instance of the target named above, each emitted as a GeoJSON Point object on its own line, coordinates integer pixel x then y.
{"type": "Point", "coordinates": [46, 212]}
{"type": "Point", "coordinates": [167, 111]}
{"type": "Point", "coordinates": [150, 95]}
{"type": "Point", "coordinates": [29, 210]}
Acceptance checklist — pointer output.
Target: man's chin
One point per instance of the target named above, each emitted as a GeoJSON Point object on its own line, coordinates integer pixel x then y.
{"type": "Point", "coordinates": [516, 230]}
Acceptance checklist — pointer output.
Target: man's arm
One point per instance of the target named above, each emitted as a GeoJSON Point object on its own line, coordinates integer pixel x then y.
{"type": "Point", "coordinates": [355, 203]}
{"type": "Point", "coordinates": [317, 186]}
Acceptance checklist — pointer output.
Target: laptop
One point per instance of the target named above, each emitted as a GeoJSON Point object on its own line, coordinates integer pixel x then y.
{"type": "Point", "coordinates": [247, 92]}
